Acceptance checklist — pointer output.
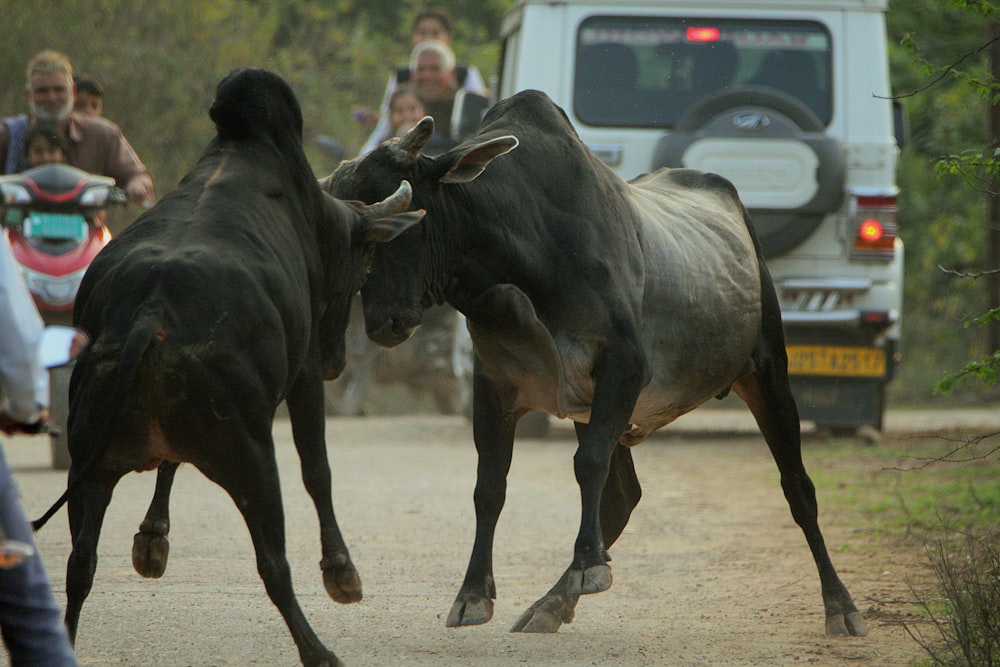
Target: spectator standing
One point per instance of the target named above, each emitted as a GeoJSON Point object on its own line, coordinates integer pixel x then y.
{"type": "Point", "coordinates": [94, 144]}
{"type": "Point", "coordinates": [436, 24]}
{"type": "Point", "coordinates": [431, 24]}
{"type": "Point", "coordinates": [457, 113]}
{"type": "Point", "coordinates": [30, 620]}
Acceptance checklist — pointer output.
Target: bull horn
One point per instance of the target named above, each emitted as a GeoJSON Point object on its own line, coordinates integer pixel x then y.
{"type": "Point", "coordinates": [395, 203]}
{"type": "Point", "coordinates": [411, 142]}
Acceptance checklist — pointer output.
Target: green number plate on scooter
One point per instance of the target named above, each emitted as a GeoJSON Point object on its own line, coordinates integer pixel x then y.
{"type": "Point", "coordinates": [55, 226]}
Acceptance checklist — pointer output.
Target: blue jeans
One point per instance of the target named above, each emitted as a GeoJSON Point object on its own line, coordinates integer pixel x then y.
{"type": "Point", "coordinates": [30, 620]}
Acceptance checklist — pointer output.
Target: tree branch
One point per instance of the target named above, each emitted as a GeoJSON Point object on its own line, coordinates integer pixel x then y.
{"type": "Point", "coordinates": [965, 274]}
{"type": "Point", "coordinates": [944, 73]}
{"type": "Point", "coordinates": [961, 448]}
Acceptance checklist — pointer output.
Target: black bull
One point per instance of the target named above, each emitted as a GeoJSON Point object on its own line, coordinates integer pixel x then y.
{"type": "Point", "coordinates": [619, 305]}
{"type": "Point", "coordinates": [227, 297]}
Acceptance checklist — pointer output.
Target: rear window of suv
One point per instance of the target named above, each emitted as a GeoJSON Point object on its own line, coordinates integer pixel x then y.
{"type": "Point", "coordinates": [649, 71]}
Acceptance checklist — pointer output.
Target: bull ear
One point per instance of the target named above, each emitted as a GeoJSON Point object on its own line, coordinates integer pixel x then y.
{"type": "Point", "coordinates": [468, 161]}
{"type": "Point", "coordinates": [387, 228]}
{"type": "Point", "coordinates": [408, 148]}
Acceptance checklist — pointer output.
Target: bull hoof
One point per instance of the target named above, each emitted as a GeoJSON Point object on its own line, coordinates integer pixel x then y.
{"type": "Point", "coordinates": [149, 554]}
{"type": "Point", "coordinates": [595, 579]}
{"type": "Point", "coordinates": [545, 616]}
{"type": "Point", "coordinates": [326, 660]}
{"type": "Point", "coordinates": [341, 580]}
{"type": "Point", "coordinates": [851, 624]}
{"type": "Point", "coordinates": [469, 609]}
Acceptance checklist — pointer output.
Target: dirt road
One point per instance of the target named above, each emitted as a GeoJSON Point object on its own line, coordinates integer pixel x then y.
{"type": "Point", "coordinates": [711, 570]}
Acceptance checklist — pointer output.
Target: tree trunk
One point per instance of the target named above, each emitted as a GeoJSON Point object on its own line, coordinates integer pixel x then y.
{"type": "Point", "coordinates": [993, 226]}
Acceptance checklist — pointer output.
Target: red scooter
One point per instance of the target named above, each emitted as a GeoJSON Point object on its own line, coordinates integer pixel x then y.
{"type": "Point", "coordinates": [54, 217]}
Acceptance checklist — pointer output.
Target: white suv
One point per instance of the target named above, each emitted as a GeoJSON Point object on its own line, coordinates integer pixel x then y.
{"type": "Point", "coordinates": [788, 100]}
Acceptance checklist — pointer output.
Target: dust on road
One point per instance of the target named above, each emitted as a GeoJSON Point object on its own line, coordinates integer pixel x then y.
{"type": "Point", "coordinates": [711, 570]}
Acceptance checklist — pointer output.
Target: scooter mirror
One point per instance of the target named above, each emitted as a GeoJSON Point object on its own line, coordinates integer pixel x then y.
{"type": "Point", "coordinates": [60, 345]}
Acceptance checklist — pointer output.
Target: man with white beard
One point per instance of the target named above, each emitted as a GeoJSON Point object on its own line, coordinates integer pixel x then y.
{"type": "Point", "coordinates": [96, 145]}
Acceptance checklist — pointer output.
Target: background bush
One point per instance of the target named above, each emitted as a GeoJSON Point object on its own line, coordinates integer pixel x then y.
{"type": "Point", "coordinates": [160, 60]}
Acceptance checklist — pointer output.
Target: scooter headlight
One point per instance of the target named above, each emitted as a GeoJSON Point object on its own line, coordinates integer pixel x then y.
{"type": "Point", "coordinates": [96, 197]}
{"type": "Point", "coordinates": [14, 193]}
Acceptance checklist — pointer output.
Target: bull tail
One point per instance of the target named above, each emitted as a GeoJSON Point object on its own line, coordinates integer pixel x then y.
{"type": "Point", "coordinates": [139, 338]}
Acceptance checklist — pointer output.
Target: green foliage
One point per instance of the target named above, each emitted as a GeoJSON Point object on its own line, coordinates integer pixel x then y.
{"type": "Point", "coordinates": [986, 370]}
{"type": "Point", "coordinates": [940, 71]}
{"type": "Point", "coordinates": [161, 60]}
{"type": "Point", "coordinates": [946, 48]}
{"type": "Point", "coordinates": [982, 7]}
{"type": "Point", "coordinates": [966, 618]}
{"type": "Point", "coordinates": [913, 488]}
{"type": "Point", "coordinates": [939, 492]}
{"type": "Point", "coordinates": [979, 169]}
{"type": "Point", "coordinates": [930, 491]}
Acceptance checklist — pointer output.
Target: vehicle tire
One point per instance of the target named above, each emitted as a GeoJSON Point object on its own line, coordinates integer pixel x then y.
{"type": "Point", "coordinates": [753, 113]}
{"type": "Point", "coordinates": [749, 96]}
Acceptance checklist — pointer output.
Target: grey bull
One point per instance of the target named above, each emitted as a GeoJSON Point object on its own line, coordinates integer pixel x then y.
{"type": "Point", "coordinates": [618, 305]}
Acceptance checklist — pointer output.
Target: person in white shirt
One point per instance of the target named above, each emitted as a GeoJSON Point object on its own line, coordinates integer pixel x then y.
{"type": "Point", "coordinates": [431, 24]}
{"type": "Point", "coordinates": [30, 620]}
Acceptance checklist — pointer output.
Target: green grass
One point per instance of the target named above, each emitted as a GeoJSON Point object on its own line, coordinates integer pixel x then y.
{"type": "Point", "coordinates": [911, 487]}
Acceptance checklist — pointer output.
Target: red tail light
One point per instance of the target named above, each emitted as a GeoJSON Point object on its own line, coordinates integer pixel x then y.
{"type": "Point", "coordinates": [702, 34]}
{"type": "Point", "coordinates": [875, 228]}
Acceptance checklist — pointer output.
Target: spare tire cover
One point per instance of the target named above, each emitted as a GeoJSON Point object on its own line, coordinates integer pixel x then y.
{"type": "Point", "coordinates": [773, 148]}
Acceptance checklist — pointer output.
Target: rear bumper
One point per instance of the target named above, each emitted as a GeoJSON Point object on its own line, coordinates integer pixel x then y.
{"type": "Point", "coordinates": [845, 403]}
{"type": "Point", "coordinates": [843, 400]}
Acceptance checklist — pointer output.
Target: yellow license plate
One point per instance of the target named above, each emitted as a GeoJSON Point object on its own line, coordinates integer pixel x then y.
{"type": "Point", "coordinates": [833, 360]}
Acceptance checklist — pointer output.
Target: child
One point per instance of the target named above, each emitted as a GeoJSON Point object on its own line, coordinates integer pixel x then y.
{"type": "Point", "coordinates": [89, 97]}
{"type": "Point", "coordinates": [44, 145]}
{"type": "Point", "coordinates": [405, 109]}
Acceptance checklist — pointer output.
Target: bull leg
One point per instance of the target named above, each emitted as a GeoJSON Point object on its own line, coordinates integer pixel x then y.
{"type": "Point", "coordinates": [493, 430]}
{"type": "Point", "coordinates": [253, 485]}
{"type": "Point", "coordinates": [770, 399]}
{"type": "Point", "coordinates": [305, 408]}
{"type": "Point", "coordinates": [620, 496]}
{"type": "Point", "coordinates": [150, 546]}
{"type": "Point", "coordinates": [86, 508]}
{"type": "Point", "coordinates": [618, 377]}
